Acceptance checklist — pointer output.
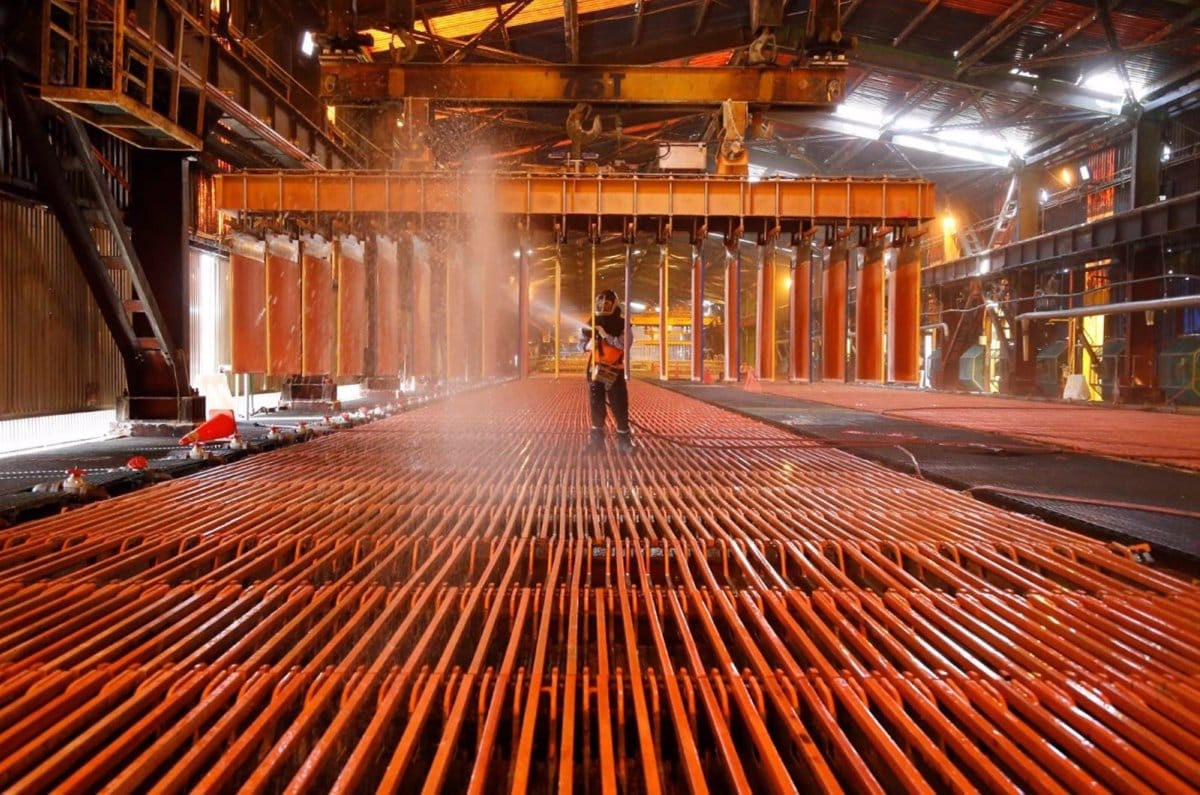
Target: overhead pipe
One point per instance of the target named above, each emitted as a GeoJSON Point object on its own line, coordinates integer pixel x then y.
{"type": "Point", "coordinates": [1176, 302]}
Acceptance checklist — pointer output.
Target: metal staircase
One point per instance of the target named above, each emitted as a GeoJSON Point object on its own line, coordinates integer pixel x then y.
{"type": "Point", "coordinates": [155, 370]}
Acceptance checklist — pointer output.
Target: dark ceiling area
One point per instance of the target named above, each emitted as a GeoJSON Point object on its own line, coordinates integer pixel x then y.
{"type": "Point", "coordinates": [943, 88]}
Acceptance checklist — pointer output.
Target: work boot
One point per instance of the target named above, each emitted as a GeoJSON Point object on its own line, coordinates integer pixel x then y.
{"type": "Point", "coordinates": [595, 442]}
{"type": "Point", "coordinates": [625, 442]}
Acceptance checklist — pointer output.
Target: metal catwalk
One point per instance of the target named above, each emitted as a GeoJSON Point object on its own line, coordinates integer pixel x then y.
{"type": "Point", "coordinates": [457, 599]}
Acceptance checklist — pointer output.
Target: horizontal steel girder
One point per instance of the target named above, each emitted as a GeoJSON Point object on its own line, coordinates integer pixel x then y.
{"type": "Point", "coordinates": [831, 200]}
{"type": "Point", "coordinates": [343, 83]}
{"type": "Point", "coordinates": [1177, 215]}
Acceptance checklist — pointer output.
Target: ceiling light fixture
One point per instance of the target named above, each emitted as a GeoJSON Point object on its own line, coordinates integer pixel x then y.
{"type": "Point", "coordinates": [308, 44]}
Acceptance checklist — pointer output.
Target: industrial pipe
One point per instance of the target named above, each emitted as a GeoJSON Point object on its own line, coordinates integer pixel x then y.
{"type": "Point", "coordinates": [1176, 302]}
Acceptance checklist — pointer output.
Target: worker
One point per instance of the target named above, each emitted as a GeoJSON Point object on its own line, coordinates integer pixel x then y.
{"type": "Point", "coordinates": [606, 373]}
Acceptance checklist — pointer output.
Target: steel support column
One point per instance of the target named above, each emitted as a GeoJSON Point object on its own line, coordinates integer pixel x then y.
{"type": "Point", "coordinates": [1147, 161]}
{"type": "Point", "coordinates": [664, 308]}
{"type": "Point", "coordinates": [393, 316]}
{"type": "Point", "coordinates": [733, 319]}
{"type": "Point", "coordinates": [764, 324]}
{"type": "Point", "coordinates": [488, 326]}
{"type": "Point", "coordinates": [698, 309]}
{"type": "Point", "coordinates": [800, 314]}
{"type": "Point", "coordinates": [523, 301]}
{"type": "Point", "coordinates": [558, 304]}
{"type": "Point", "coordinates": [1029, 183]}
{"type": "Point", "coordinates": [457, 367]}
{"type": "Point", "coordinates": [421, 292]}
{"type": "Point", "coordinates": [904, 316]}
{"type": "Point", "coordinates": [628, 293]}
{"type": "Point", "coordinates": [833, 315]}
{"type": "Point", "coordinates": [868, 316]}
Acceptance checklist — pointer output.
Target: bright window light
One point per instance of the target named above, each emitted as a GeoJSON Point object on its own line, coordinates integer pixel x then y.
{"type": "Point", "coordinates": [308, 44]}
{"type": "Point", "coordinates": [1109, 82]}
{"type": "Point", "coordinates": [863, 114]}
{"type": "Point", "coordinates": [1043, 195]}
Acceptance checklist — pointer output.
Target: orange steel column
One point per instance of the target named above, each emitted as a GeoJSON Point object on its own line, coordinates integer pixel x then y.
{"type": "Point", "coordinates": [318, 307]}
{"type": "Point", "coordinates": [664, 309]}
{"type": "Point", "coordinates": [698, 307]}
{"type": "Point", "coordinates": [391, 335]}
{"type": "Point", "coordinates": [456, 314]}
{"type": "Point", "coordinates": [283, 306]}
{"type": "Point", "coordinates": [248, 305]}
{"type": "Point", "coordinates": [904, 316]}
{"type": "Point", "coordinates": [733, 319]}
{"type": "Point", "coordinates": [868, 311]}
{"type": "Point", "coordinates": [800, 315]}
{"type": "Point", "coordinates": [765, 310]}
{"type": "Point", "coordinates": [489, 295]}
{"type": "Point", "coordinates": [833, 315]}
{"type": "Point", "coordinates": [420, 290]}
{"type": "Point", "coordinates": [523, 300]}
{"type": "Point", "coordinates": [349, 259]}
{"type": "Point", "coordinates": [630, 232]}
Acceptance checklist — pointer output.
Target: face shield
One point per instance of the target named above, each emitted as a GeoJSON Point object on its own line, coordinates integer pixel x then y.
{"type": "Point", "coordinates": [606, 303]}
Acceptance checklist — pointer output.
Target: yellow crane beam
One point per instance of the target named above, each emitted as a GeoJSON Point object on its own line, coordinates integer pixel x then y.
{"type": "Point", "coordinates": [834, 200]}
{"type": "Point", "coordinates": [813, 86]}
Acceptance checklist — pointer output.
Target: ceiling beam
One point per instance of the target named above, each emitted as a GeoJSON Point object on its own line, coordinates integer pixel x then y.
{"type": "Point", "coordinates": [571, 29]}
{"type": "Point", "coordinates": [849, 12]}
{"type": "Point", "coordinates": [911, 27]}
{"type": "Point", "coordinates": [999, 31]}
{"type": "Point", "coordinates": [1190, 18]}
{"type": "Point", "coordinates": [1053, 92]}
{"type": "Point", "coordinates": [701, 15]}
{"type": "Point", "coordinates": [1068, 35]}
{"type": "Point", "coordinates": [441, 42]}
{"type": "Point", "coordinates": [918, 94]}
{"type": "Point", "coordinates": [496, 24]}
{"type": "Point", "coordinates": [1034, 63]}
{"type": "Point", "coordinates": [1114, 46]}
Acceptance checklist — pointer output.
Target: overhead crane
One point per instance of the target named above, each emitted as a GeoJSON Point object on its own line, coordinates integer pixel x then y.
{"type": "Point", "coordinates": [811, 86]}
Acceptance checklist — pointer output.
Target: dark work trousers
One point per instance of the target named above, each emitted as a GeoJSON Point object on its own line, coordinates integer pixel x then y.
{"type": "Point", "coordinates": [618, 399]}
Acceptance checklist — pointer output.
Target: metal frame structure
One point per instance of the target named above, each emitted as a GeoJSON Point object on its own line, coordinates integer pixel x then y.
{"type": "Point", "coordinates": [883, 202]}
{"type": "Point", "coordinates": [102, 63]}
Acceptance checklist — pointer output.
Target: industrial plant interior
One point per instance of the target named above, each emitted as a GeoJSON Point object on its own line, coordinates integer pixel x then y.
{"type": "Point", "coordinates": [600, 396]}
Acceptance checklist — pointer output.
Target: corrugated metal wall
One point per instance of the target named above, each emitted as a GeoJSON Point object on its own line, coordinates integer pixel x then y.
{"type": "Point", "coordinates": [56, 354]}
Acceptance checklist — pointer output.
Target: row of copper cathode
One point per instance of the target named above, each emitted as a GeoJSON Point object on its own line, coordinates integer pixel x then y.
{"type": "Point", "coordinates": [458, 599]}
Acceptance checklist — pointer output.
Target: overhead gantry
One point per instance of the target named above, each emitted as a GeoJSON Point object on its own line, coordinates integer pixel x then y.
{"type": "Point", "coordinates": [865, 244]}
